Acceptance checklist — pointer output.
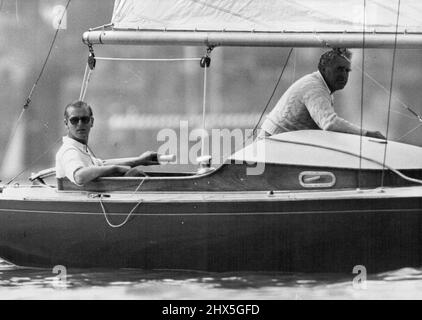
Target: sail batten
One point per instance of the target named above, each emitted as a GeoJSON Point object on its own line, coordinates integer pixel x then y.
{"type": "Point", "coordinates": [264, 23]}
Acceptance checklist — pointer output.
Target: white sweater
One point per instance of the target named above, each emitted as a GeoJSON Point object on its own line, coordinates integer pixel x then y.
{"type": "Point", "coordinates": [307, 104]}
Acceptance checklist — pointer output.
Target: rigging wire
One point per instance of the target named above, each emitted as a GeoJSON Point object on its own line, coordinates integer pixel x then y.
{"type": "Point", "coordinates": [148, 59]}
{"type": "Point", "coordinates": [294, 66]}
{"type": "Point", "coordinates": [16, 12]}
{"type": "Point", "coordinates": [272, 94]}
{"type": "Point", "coordinates": [362, 90]}
{"type": "Point", "coordinates": [401, 103]}
{"type": "Point", "coordinates": [403, 114]}
{"type": "Point", "coordinates": [383, 165]}
{"type": "Point", "coordinates": [35, 161]}
{"type": "Point", "coordinates": [85, 80]}
{"type": "Point", "coordinates": [205, 63]}
{"type": "Point", "coordinates": [391, 89]}
{"type": "Point", "coordinates": [28, 99]}
{"type": "Point", "coordinates": [409, 132]}
{"type": "Point", "coordinates": [404, 105]}
{"type": "Point", "coordinates": [88, 70]}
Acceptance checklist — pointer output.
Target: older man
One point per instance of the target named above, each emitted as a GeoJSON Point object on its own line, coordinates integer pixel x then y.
{"type": "Point", "coordinates": [75, 160]}
{"type": "Point", "coordinates": [308, 103]}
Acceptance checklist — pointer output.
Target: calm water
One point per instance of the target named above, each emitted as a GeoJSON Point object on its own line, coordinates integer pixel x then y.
{"type": "Point", "coordinates": [23, 283]}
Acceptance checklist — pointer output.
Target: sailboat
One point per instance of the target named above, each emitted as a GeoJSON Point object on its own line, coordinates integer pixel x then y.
{"type": "Point", "coordinates": [302, 201]}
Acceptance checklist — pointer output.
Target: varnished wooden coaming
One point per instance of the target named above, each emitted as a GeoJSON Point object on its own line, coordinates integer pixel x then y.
{"type": "Point", "coordinates": [234, 177]}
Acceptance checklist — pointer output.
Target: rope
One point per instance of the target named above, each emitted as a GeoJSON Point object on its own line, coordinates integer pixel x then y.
{"type": "Point", "coordinates": [127, 217]}
{"type": "Point", "coordinates": [103, 27]}
{"type": "Point", "coordinates": [272, 94]}
{"type": "Point", "coordinates": [404, 105]}
{"type": "Point", "coordinates": [151, 60]}
{"type": "Point", "coordinates": [85, 81]}
{"type": "Point", "coordinates": [28, 99]}
{"type": "Point", "coordinates": [409, 132]}
{"type": "Point", "coordinates": [383, 165]}
{"type": "Point", "coordinates": [16, 12]}
{"type": "Point", "coordinates": [129, 214]}
{"type": "Point", "coordinates": [88, 70]}
{"type": "Point", "coordinates": [33, 162]}
{"type": "Point", "coordinates": [362, 90]}
{"type": "Point", "coordinates": [204, 104]}
{"type": "Point", "coordinates": [82, 93]}
{"type": "Point", "coordinates": [294, 67]}
{"type": "Point", "coordinates": [391, 88]}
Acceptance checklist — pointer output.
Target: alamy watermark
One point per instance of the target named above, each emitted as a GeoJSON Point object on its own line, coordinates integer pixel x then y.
{"type": "Point", "coordinates": [217, 143]}
{"type": "Point", "coordinates": [360, 281]}
{"type": "Point", "coordinates": [60, 281]}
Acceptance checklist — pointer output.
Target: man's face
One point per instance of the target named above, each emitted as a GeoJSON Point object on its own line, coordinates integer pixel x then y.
{"type": "Point", "coordinates": [336, 74]}
{"type": "Point", "coordinates": [79, 123]}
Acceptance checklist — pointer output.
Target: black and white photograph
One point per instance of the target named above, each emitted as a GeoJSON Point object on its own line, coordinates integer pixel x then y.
{"type": "Point", "coordinates": [232, 151]}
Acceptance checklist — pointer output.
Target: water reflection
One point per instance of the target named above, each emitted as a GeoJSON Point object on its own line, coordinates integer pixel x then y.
{"type": "Point", "coordinates": [24, 283]}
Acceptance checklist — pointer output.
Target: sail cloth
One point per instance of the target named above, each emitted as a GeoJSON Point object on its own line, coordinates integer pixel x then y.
{"type": "Point", "coordinates": [268, 15]}
{"type": "Point", "coordinates": [260, 22]}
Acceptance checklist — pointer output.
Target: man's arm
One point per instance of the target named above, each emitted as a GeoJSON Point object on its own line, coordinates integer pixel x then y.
{"type": "Point", "coordinates": [145, 159]}
{"type": "Point", "coordinates": [341, 125]}
{"type": "Point", "coordinates": [79, 172]}
{"type": "Point", "coordinates": [322, 112]}
{"type": "Point", "coordinates": [86, 174]}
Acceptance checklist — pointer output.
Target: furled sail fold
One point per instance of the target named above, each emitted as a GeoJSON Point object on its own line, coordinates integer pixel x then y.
{"type": "Point", "coordinates": [264, 23]}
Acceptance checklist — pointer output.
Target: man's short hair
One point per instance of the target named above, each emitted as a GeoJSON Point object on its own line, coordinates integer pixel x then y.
{"type": "Point", "coordinates": [328, 57]}
{"type": "Point", "coordinates": [77, 104]}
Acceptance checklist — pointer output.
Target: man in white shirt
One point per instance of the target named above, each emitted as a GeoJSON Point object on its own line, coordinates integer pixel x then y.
{"type": "Point", "coordinates": [75, 161]}
{"type": "Point", "coordinates": [308, 103]}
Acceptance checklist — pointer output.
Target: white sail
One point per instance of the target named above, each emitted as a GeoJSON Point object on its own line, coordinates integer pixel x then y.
{"type": "Point", "coordinates": [268, 15]}
{"type": "Point", "coordinates": [299, 23]}
{"type": "Point", "coordinates": [13, 161]}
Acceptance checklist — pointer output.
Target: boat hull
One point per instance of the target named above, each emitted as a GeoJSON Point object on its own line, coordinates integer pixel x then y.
{"type": "Point", "coordinates": [262, 234]}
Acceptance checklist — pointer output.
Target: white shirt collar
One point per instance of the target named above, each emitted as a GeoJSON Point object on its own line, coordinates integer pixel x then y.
{"type": "Point", "coordinates": [323, 80]}
{"type": "Point", "coordinates": [72, 142]}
